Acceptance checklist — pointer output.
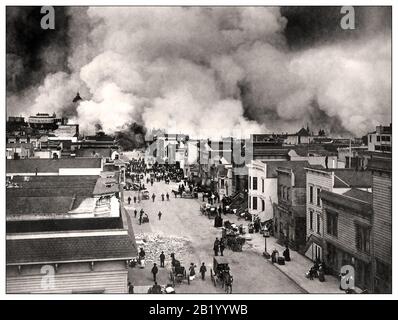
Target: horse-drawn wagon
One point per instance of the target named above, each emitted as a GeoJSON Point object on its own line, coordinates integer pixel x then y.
{"type": "Point", "coordinates": [220, 274]}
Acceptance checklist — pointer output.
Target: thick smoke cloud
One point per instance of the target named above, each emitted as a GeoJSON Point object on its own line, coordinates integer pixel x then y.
{"type": "Point", "coordinates": [212, 72]}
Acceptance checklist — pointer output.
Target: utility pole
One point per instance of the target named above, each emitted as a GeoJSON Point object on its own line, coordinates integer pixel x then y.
{"type": "Point", "coordinates": [349, 158]}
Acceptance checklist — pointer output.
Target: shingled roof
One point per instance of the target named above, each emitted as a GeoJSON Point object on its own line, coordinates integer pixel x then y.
{"type": "Point", "coordinates": [352, 178]}
{"type": "Point", "coordinates": [50, 165]}
{"type": "Point", "coordinates": [70, 249]}
{"type": "Point", "coordinates": [348, 200]}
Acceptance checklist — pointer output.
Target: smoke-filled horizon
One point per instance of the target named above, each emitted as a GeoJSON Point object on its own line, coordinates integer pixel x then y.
{"type": "Point", "coordinates": [206, 72]}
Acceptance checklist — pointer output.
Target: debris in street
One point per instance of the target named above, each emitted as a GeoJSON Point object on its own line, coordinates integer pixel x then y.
{"type": "Point", "coordinates": [154, 244]}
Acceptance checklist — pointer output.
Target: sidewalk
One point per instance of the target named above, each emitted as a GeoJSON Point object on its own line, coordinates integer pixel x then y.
{"type": "Point", "coordinates": [294, 269]}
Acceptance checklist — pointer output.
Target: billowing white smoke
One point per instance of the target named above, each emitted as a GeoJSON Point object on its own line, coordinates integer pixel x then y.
{"type": "Point", "coordinates": [180, 69]}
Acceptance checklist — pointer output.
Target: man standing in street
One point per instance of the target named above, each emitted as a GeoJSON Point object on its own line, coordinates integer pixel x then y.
{"type": "Point", "coordinates": [160, 214]}
{"type": "Point", "coordinates": [222, 247]}
{"type": "Point", "coordinates": [141, 214]}
{"type": "Point", "coordinates": [162, 197]}
{"type": "Point", "coordinates": [135, 213]}
{"type": "Point", "coordinates": [215, 247]}
{"type": "Point", "coordinates": [129, 200]}
{"type": "Point", "coordinates": [167, 196]}
{"type": "Point", "coordinates": [135, 199]}
{"type": "Point", "coordinates": [203, 270]}
{"type": "Point", "coordinates": [162, 258]}
{"type": "Point", "coordinates": [153, 197]}
{"type": "Point", "coordinates": [154, 271]}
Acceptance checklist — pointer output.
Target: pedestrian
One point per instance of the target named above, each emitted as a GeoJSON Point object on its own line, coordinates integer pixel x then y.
{"type": "Point", "coordinates": [156, 289]}
{"type": "Point", "coordinates": [160, 214]}
{"type": "Point", "coordinates": [286, 254]}
{"type": "Point", "coordinates": [135, 199]}
{"type": "Point", "coordinates": [129, 200]}
{"type": "Point", "coordinates": [203, 270]}
{"type": "Point", "coordinates": [167, 196]}
{"type": "Point", "coordinates": [222, 247]}
{"type": "Point", "coordinates": [154, 271]}
{"type": "Point", "coordinates": [140, 218]}
{"type": "Point", "coordinates": [162, 197]}
{"type": "Point", "coordinates": [162, 258]}
{"type": "Point", "coordinates": [135, 213]}
{"type": "Point", "coordinates": [192, 272]}
{"type": "Point", "coordinates": [153, 197]}
{"type": "Point", "coordinates": [131, 288]}
{"type": "Point", "coordinates": [216, 246]}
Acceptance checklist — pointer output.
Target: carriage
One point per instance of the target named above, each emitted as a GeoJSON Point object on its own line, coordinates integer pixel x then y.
{"type": "Point", "coordinates": [178, 272]}
{"type": "Point", "coordinates": [232, 238]}
{"type": "Point", "coordinates": [220, 274]}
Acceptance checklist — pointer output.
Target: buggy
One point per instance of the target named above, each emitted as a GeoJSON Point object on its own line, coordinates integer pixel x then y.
{"type": "Point", "coordinates": [178, 272]}
{"type": "Point", "coordinates": [220, 273]}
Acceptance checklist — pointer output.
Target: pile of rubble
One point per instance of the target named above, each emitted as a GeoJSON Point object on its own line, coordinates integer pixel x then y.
{"type": "Point", "coordinates": [154, 244]}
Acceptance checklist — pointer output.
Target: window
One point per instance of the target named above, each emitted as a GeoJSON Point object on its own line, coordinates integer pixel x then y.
{"type": "Point", "coordinates": [370, 138]}
{"type": "Point", "coordinates": [378, 138]}
{"type": "Point", "coordinates": [254, 203]}
{"type": "Point", "coordinates": [262, 185]}
{"type": "Point", "coordinates": [254, 183]}
{"type": "Point", "coordinates": [250, 202]}
{"type": "Point", "coordinates": [311, 219]}
{"type": "Point", "coordinates": [250, 182]}
{"type": "Point", "coordinates": [362, 236]}
{"type": "Point", "coordinates": [283, 192]}
{"type": "Point", "coordinates": [222, 183]}
{"type": "Point", "coordinates": [318, 224]}
{"type": "Point", "coordinates": [331, 223]}
{"type": "Point", "coordinates": [262, 205]}
{"type": "Point", "coordinates": [385, 138]}
{"type": "Point", "coordinates": [318, 196]}
{"type": "Point", "coordinates": [287, 193]}
{"type": "Point", "coordinates": [311, 194]}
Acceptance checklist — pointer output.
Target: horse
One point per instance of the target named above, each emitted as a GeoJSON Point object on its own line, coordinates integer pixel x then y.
{"type": "Point", "coordinates": [228, 280]}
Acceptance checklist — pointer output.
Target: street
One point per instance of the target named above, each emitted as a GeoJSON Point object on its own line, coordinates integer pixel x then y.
{"type": "Point", "coordinates": [190, 235]}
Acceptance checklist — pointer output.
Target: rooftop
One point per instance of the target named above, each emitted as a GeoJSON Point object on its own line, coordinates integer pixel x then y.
{"type": "Point", "coordinates": [50, 165]}
{"type": "Point", "coordinates": [352, 178]}
{"type": "Point", "coordinates": [380, 164]}
{"type": "Point", "coordinates": [298, 169]}
{"type": "Point", "coordinates": [349, 200]}
{"type": "Point", "coordinates": [361, 195]}
{"type": "Point", "coordinates": [67, 249]}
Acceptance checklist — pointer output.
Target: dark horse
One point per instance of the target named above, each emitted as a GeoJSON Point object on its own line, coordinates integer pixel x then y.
{"type": "Point", "coordinates": [227, 284]}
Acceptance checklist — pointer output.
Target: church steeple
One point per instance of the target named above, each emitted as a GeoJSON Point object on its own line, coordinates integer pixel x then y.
{"type": "Point", "coordinates": [77, 98]}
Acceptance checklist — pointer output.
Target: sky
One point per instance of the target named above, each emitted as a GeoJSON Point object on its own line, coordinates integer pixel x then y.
{"type": "Point", "coordinates": [203, 71]}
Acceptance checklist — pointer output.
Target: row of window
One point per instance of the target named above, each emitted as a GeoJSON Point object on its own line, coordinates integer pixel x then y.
{"type": "Point", "coordinates": [284, 192]}
{"type": "Point", "coordinates": [253, 203]}
{"type": "Point", "coordinates": [253, 183]}
{"type": "Point", "coordinates": [362, 233]}
{"type": "Point", "coordinates": [383, 138]}
{"type": "Point", "coordinates": [318, 195]}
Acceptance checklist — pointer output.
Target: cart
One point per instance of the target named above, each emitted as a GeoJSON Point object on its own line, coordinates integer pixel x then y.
{"type": "Point", "coordinates": [220, 273]}
{"type": "Point", "coordinates": [178, 274]}
{"type": "Point", "coordinates": [211, 212]}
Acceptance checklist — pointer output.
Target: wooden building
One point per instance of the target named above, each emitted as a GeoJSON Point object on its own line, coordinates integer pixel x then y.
{"type": "Point", "coordinates": [347, 233]}
{"type": "Point", "coordinates": [382, 224]}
